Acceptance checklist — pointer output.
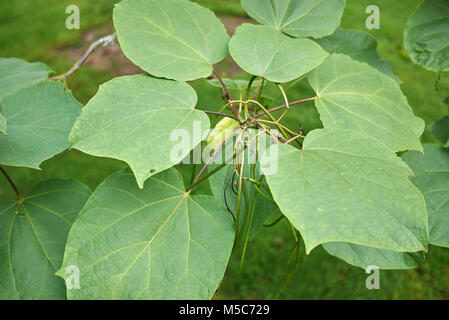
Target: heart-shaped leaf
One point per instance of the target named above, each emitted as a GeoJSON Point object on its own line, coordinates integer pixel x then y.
{"type": "Point", "coordinates": [132, 119]}
{"type": "Point", "coordinates": [362, 256]}
{"type": "Point", "coordinates": [427, 38]}
{"type": "Point", "coordinates": [175, 39]}
{"type": "Point", "coordinates": [155, 243]}
{"type": "Point", "coordinates": [346, 187]}
{"type": "Point", "coordinates": [440, 129]}
{"type": "Point", "coordinates": [39, 119]}
{"type": "Point", "coordinates": [298, 18]}
{"type": "Point", "coordinates": [360, 46]}
{"type": "Point", "coordinates": [432, 178]}
{"type": "Point", "coordinates": [33, 235]}
{"type": "Point", "coordinates": [354, 95]}
{"type": "Point", "coordinates": [265, 52]}
{"type": "Point", "coordinates": [16, 74]}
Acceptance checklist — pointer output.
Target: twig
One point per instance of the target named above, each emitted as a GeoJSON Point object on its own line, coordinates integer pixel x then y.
{"type": "Point", "coordinates": [105, 41]}
{"type": "Point", "coordinates": [219, 167]}
{"type": "Point", "coordinates": [209, 161]}
{"type": "Point", "coordinates": [12, 184]}
{"type": "Point", "coordinates": [197, 179]}
{"type": "Point", "coordinates": [283, 106]}
{"type": "Point", "coordinates": [294, 138]}
{"type": "Point", "coordinates": [233, 107]}
{"type": "Point", "coordinates": [286, 101]}
{"type": "Point", "coordinates": [221, 114]}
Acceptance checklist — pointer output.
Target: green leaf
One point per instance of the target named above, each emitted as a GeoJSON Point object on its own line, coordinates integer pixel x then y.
{"type": "Point", "coordinates": [262, 51]}
{"type": "Point", "coordinates": [427, 38]}
{"type": "Point", "coordinates": [132, 118]}
{"type": "Point", "coordinates": [2, 124]}
{"type": "Point", "coordinates": [345, 186]}
{"type": "Point", "coordinates": [222, 189]}
{"type": "Point", "coordinates": [356, 96]}
{"type": "Point", "coordinates": [33, 235]}
{"type": "Point", "coordinates": [175, 39]}
{"type": "Point", "coordinates": [300, 18]}
{"type": "Point", "coordinates": [155, 243]}
{"type": "Point", "coordinates": [440, 129]}
{"type": "Point", "coordinates": [362, 256]}
{"type": "Point", "coordinates": [39, 118]}
{"type": "Point", "coordinates": [16, 74]}
{"type": "Point", "coordinates": [360, 46]}
{"type": "Point", "coordinates": [432, 178]}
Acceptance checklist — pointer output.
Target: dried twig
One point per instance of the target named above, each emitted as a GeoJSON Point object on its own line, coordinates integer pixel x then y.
{"type": "Point", "coordinates": [105, 41]}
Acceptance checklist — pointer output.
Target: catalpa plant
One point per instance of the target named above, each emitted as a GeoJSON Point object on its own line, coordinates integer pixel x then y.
{"type": "Point", "coordinates": [165, 229]}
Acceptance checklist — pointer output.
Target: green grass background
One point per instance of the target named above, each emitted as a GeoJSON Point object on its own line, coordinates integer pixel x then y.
{"type": "Point", "coordinates": [34, 30]}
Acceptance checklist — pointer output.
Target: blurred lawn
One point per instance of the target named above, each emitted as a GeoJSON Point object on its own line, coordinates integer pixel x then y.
{"type": "Point", "coordinates": [34, 30]}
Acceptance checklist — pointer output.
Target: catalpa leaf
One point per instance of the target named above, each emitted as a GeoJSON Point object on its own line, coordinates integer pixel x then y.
{"type": "Point", "coordinates": [426, 39]}
{"type": "Point", "coordinates": [33, 235]}
{"type": "Point", "coordinates": [362, 256]}
{"type": "Point", "coordinates": [360, 46]}
{"type": "Point", "coordinates": [132, 119]}
{"type": "Point", "coordinates": [298, 18]}
{"type": "Point", "coordinates": [344, 186]}
{"type": "Point", "coordinates": [354, 95]}
{"type": "Point", "coordinates": [264, 52]}
{"type": "Point", "coordinates": [432, 178]}
{"type": "Point", "coordinates": [16, 74]}
{"type": "Point", "coordinates": [440, 129]}
{"type": "Point", "coordinates": [39, 119]}
{"type": "Point", "coordinates": [175, 39]}
{"type": "Point", "coordinates": [221, 182]}
{"type": "Point", "coordinates": [2, 124]}
{"type": "Point", "coordinates": [155, 243]}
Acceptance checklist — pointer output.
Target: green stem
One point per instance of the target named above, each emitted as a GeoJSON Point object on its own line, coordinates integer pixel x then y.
{"type": "Point", "coordinates": [292, 272]}
{"type": "Point", "coordinates": [239, 198]}
{"type": "Point", "coordinates": [197, 180]}
{"type": "Point", "coordinates": [245, 216]}
{"type": "Point", "coordinates": [285, 100]}
{"type": "Point", "coordinates": [248, 88]}
{"type": "Point", "coordinates": [257, 95]}
{"type": "Point", "coordinates": [250, 224]}
{"type": "Point", "coordinates": [284, 106]}
{"type": "Point", "coordinates": [275, 222]}
{"type": "Point", "coordinates": [258, 182]}
{"type": "Point", "coordinates": [206, 176]}
{"type": "Point", "coordinates": [274, 120]}
{"type": "Point", "coordinates": [292, 84]}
